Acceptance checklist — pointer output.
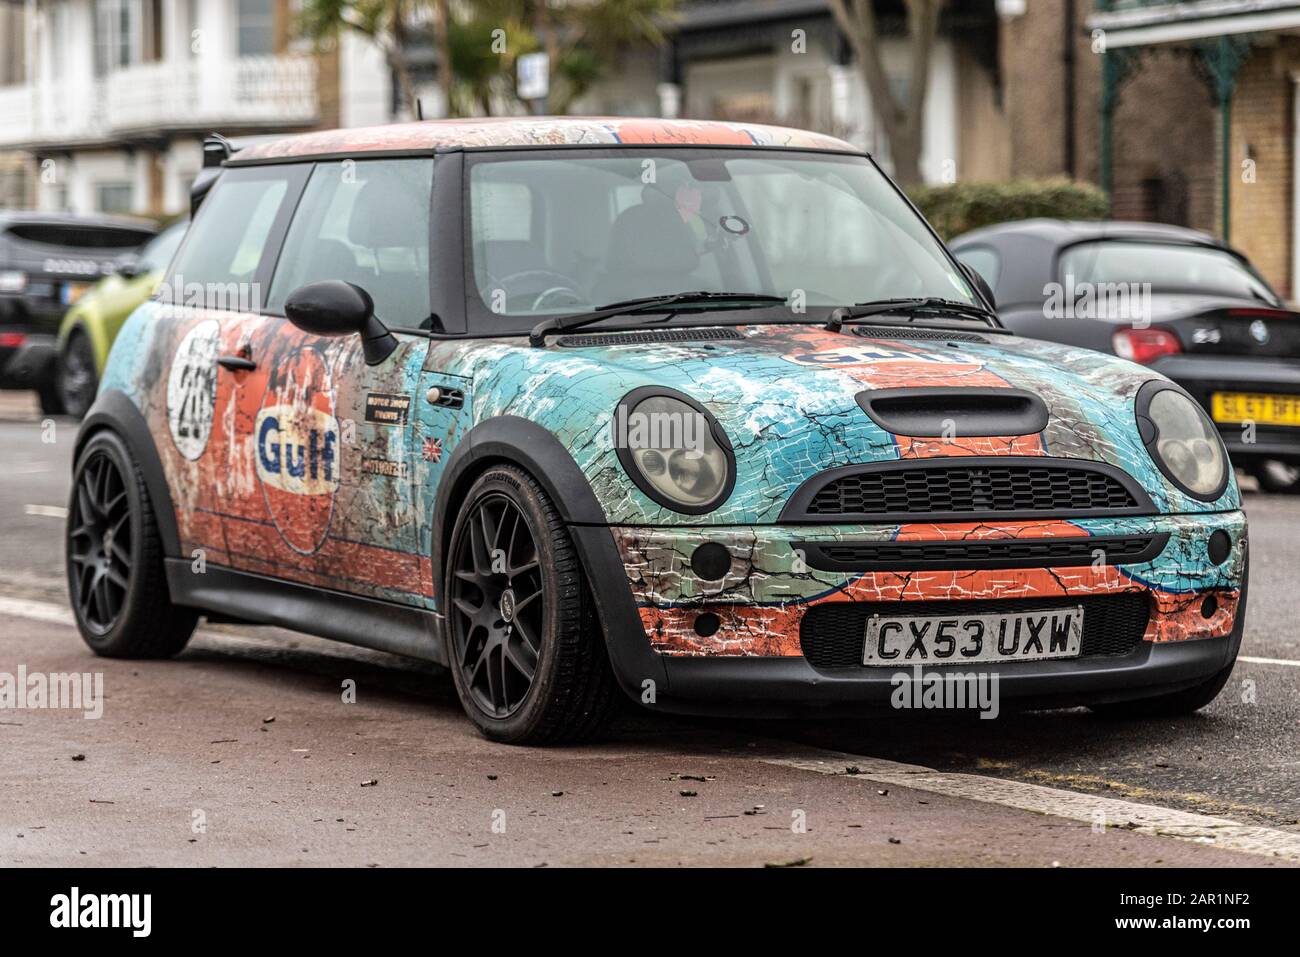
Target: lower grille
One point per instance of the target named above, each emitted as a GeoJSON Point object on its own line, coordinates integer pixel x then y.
{"type": "Point", "coordinates": [832, 634]}
{"type": "Point", "coordinates": [1003, 553]}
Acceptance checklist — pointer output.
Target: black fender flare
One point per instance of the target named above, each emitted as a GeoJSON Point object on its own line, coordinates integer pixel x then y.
{"type": "Point", "coordinates": [519, 441]}
{"type": "Point", "coordinates": [114, 410]}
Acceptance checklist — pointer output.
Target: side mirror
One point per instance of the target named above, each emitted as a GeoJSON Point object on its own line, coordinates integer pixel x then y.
{"type": "Point", "coordinates": [981, 284]}
{"type": "Point", "coordinates": [337, 308]}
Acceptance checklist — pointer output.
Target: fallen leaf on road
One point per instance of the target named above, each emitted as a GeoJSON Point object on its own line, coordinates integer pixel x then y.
{"type": "Point", "coordinates": [797, 862]}
{"type": "Point", "coordinates": [78, 757]}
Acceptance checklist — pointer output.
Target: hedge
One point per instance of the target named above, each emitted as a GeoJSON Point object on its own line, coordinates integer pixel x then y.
{"type": "Point", "coordinates": [960, 207]}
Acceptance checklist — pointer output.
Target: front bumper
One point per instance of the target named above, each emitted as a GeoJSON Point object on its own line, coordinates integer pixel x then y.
{"type": "Point", "coordinates": [751, 656]}
{"type": "Point", "coordinates": [1203, 375]}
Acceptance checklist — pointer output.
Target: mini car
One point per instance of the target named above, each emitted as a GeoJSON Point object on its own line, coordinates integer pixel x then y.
{"type": "Point", "coordinates": [703, 414]}
{"type": "Point", "coordinates": [89, 327]}
{"type": "Point", "coordinates": [47, 261]}
{"type": "Point", "coordinates": [1207, 320]}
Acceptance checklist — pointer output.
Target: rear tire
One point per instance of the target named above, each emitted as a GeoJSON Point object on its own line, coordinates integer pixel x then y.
{"type": "Point", "coordinates": [77, 379]}
{"type": "Point", "coordinates": [51, 400]}
{"type": "Point", "coordinates": [1279, 478]}
{"type": "Point", "coordinates": [114, 555]}
{"type": "Point", "coordinates": [527, 654]}
{"type": "Point", "coordinates": [1169, 705]}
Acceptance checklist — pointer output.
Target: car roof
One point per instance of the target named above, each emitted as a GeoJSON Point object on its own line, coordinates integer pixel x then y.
{"type": "Point", "coordinates": [1065, 232]}
{"type": "Point", "coordinates": [534, 131]}
{"type": "Point", "coordinates": [9, 217]}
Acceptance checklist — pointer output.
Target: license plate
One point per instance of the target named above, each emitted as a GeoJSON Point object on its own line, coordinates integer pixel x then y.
{"type": "Point", "coordinates": [1261, 408]}
{"type": "Point", "coordinates": [72, 291]}
{"type": "Point", "coordinates": [934, 640]}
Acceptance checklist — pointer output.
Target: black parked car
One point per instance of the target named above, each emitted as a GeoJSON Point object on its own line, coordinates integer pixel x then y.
{"type": "Point", "coordinates": [46, 262]}
{"type": "Point", "coordinates": [1175, 299]}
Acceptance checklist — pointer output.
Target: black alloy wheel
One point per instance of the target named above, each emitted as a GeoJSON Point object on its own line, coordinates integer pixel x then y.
{"type": "Point", "coordinates": [498, 606]}
{"type": "Point", "coordinates": [100, 554]}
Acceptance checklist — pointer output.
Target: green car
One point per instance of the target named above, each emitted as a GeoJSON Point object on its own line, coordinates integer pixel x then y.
{"type": "Point", "coordinates": [87, 332]}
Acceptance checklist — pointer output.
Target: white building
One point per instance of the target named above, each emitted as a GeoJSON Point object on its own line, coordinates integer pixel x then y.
{"type": "Point", "coordinates": [109, 99]}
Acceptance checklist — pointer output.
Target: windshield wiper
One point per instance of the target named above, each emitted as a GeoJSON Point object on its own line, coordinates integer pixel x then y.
{"type": "Point", "coordinates": [907, 307]}
{"type": "Point", "coordinates": [630, 307]}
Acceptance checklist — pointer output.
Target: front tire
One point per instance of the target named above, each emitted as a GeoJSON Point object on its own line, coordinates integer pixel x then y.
{"type": "Point", "coordinates": [114, 555]}
{"type": "Point", "coordinates": [1169, 705]}
{"type": "Point", "coordinates": [526, 651]}
{"type": "Point", "coordinates": [77, 379]}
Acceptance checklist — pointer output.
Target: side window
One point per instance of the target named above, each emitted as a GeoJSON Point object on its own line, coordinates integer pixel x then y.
{"type": "Point", "coordinates": [220, 264]}
{"type": "Point", "coordinates": [984, 261]}
{"type": "Point", "coordinates": [158, 254]}
{"type": "Point", "coordinates": [365, 222]}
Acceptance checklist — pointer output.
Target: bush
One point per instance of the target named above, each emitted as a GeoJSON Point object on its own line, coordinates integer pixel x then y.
{"type": "Point", "coordinates": [960, 207]}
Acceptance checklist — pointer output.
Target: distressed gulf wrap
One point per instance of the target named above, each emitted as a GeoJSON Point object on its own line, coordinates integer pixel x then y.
{"type": "Point", "coordinates": [785, 395]}
{"type": "Point", "coordinates": [318, 469]}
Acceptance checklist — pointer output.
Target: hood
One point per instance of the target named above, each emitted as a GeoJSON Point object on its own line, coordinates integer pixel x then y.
{"type": "Point", "coordinates": [789, 399]}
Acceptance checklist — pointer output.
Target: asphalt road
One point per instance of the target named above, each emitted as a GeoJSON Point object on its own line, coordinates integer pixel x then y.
{"type": "Point", "coordinates": [242, 751]}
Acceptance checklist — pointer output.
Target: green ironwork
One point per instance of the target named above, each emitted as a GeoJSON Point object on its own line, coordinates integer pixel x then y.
{"type": "Point", "coordinates": [1221, 60]}
{"type": "Point", "coordinates": [1116, 67]}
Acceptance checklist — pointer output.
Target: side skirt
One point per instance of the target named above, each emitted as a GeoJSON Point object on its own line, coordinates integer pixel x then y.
{"type": "Point", "coordinates": [368, 622]}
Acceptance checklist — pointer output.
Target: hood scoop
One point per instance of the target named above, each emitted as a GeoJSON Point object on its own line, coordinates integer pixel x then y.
{"type": "Point", "coordinates": [652, 335]}
{"type": "Point", "coordinates": [960, 412]}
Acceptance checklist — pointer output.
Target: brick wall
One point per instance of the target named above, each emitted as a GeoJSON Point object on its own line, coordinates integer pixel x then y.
{"type": "Point", "coordinates": [1262, 132]}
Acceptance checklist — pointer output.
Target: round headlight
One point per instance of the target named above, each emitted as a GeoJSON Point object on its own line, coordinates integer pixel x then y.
{"type": "Point", "coordinates": [1182, 441]}
{"type": "Point", "coordinates": [674, 450]}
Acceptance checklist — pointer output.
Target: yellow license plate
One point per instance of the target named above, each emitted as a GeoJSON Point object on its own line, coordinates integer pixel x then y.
{"type": "Point", "coordinates": [1260, 408]}
{"type": "Point", "coordinates": [72, 291]}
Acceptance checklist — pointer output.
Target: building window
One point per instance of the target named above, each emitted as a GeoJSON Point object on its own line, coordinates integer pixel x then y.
{"type": "Point", "coordinates": [256, 27]}
{"type": "Point", "coordinates": [117, 39]}
{"type": "Point", "coordinates": [113, 197]}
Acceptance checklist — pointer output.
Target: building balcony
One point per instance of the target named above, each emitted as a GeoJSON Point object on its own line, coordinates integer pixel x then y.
{"type": "Point", "coordinates": [149, 99]}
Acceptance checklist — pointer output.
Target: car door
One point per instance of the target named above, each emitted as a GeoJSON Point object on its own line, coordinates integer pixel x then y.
{"type": "Point", "coordinates": [209, 312]}
{"type": "Point", "coordinates": [337, 445]}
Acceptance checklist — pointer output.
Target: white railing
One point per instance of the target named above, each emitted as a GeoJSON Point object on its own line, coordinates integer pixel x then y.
{"type": "Point", "coordinates": [261, 91]}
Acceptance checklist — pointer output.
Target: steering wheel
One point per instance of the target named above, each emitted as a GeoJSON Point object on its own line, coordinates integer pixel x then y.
{"type": "Point", "coordinates": [565, 285]}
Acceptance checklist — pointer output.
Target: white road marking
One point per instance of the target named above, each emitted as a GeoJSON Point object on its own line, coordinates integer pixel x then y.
{"type": "Point", "coordinates": [1072, 805]}
{"type": "Point", "coordinates": [1291, 662]}
{"type": "Point", "coordinates": [46, 511]}
{"type": "Point", "coordinates": [39, 610]}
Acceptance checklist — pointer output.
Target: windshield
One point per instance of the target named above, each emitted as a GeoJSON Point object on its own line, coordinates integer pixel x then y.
{"type": "Point", "coordinates": [1166, 266]}
{"type": "Point", "coordinates": [568, 233]}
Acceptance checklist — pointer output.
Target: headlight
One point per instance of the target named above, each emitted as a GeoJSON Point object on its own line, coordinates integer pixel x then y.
{"type": "Point", "coordinates": [673, 450]}
{"type": "Point", "coordinates": [1182, 441]}
{"type": "Point", "coordinates": [12, 281]}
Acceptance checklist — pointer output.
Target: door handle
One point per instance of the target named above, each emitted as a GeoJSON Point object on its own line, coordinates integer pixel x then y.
{"type": "Point", "coordinates": [236, 363]}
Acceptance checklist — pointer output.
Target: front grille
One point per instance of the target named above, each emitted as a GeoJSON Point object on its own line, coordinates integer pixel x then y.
{"type": "Point", "coordinates": [929, 335]}
{"type": "Point", "coordinates": [927, 489]}
{"type": "Point", "coordinates": [655, 335]}
{"type": "Point", "coordinates": [1004, 553]}
{"type": "Point", "coordinates": [832, 634]}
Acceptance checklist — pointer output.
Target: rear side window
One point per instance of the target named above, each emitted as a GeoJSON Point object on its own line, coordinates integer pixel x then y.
{"type": "Point", "coordinates": [158, 254]}
{"type": "Point", "coordinates": [365, 222]}
{"type": "Point", "coordinates": [221, 263]}
{"type": "Point", "coordinates": [984, 261]}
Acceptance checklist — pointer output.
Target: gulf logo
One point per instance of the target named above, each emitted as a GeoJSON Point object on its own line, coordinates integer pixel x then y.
{"type": "Point", "coordinates": [297, 454]}
{"type": "Point", "coordinates": [871, 355]}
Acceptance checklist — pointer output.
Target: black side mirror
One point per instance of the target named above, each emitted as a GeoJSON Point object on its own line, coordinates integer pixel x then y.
{"type": "Point", "coordinates": [981, 285]}
{"type": "Point", "coordinates": [337, 308]}
{"type": "Point", "coordinates": [129, 267]}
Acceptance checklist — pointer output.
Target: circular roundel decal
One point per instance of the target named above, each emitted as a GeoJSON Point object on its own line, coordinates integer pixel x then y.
{"type": "Point", "coordinates": [297, 450]}
{"type": "Point", "coordinates": [192, 389]}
